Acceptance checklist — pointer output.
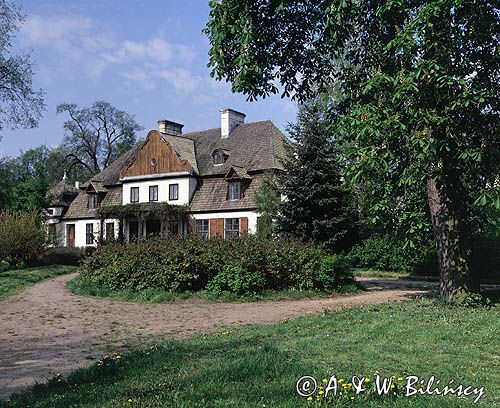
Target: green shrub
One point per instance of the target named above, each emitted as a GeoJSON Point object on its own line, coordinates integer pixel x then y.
{"type": "Point", "coordinates": [388, 253]}
{"type": "Point", "coordinates": [242, 266]}
{"type": "Point", "coordinates": [22, 237]}
{"type": "Point", "coordinates": [4, 266]}
{"type": "Point", "coordinates": [62, 256]}
{"type": "Point", "coordinates": [236, 280]}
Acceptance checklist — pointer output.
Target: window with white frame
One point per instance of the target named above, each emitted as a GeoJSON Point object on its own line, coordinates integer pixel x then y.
{"type": "Point", "coordinates": [232, 227]}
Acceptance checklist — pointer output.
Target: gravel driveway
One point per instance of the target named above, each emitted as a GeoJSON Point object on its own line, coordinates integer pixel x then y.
{"type": "Point", "coordinates": [46, 329]}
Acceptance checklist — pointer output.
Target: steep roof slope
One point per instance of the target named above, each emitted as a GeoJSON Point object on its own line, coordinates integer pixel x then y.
{"type": "Point", "coordinates": [253, 146]}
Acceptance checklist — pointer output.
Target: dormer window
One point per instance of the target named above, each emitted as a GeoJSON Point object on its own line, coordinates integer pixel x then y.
{"type": "Point", "coordinates": [218, 158]}
{"type": "Point", "coordinates": [234, 190]}
{"type": "Point", "coordinates": [92, 203]}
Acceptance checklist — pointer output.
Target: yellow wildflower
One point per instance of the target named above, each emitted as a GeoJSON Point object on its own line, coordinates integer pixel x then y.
{"type": "Point", "coordinates": [310, 398]}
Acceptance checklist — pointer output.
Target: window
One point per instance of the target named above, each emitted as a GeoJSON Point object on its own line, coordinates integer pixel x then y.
{"type": "Point", "coordinates": [232, 227]}
{"type": "Point", "coordinates": [202, 228]}
{"type": "Point", "coordinates": [92, 201]}
{"type": "Point", "coordinates": [234, 190]}
{"type": "Point", "coordinates": [110, 231]}
{"type": "Point", "coordinates": [173, 191]}
{"type": "Point", "coordinates": [89, 229]}
{"type": "Point", "coordinates": [153, 193]}
{"type": "Point", "coordinates": [218, 158]}
{"type": "Point", "coordinates": [134, 194]}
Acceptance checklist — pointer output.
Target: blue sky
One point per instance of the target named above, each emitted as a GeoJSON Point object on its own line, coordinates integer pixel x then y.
{"type": "Point", "coordinates": [145, 57]}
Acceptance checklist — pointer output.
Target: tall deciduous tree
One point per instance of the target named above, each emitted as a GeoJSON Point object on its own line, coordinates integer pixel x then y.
{"type": "Point", "coordinates": [97, 135]}
{"type": "Point", "coordinates": [316, 207]}
{"type": "Point", "coordinates": [420, 86]}
{"type": "Point", "coordinates": [20, 104]}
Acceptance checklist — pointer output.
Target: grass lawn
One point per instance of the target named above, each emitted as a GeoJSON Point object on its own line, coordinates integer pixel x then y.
{"type": "Point", "coordinates": [80, 286]}
{"type": "Point", "coordinates": [375, 273]}
{"type": "Point", "coordinates": [259, 366]}
{"type": "Point", "coordinates": [14, 280]}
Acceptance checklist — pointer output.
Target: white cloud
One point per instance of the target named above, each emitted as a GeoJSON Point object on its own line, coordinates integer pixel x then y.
{"type": "Point", "coordinates": [39, 29]}
{"type": "Point", "coordinates": [181, 79]}
{"type": "Point", "coordinates": [79, 47]}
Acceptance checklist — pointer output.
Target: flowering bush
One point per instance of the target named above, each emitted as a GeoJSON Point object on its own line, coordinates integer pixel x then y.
{"type": "Point", "coordinates": [246, 265]}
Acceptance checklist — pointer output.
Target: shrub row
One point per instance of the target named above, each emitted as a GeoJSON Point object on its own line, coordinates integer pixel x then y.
{"type": "Point", "coordinates": [239, 266]}
{"type": "Point", "coordinates": [387, 253]}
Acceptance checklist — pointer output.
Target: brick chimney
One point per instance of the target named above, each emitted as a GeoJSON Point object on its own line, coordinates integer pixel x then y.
{"type": "Point", "coordinates": [169, 128]}
{"type": "Point", "coordinates": [229, 119]}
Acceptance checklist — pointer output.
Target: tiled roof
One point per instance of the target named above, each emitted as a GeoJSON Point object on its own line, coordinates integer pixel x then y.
{"type": "Point", "coordinates": [250, 147]}
{"type": "Point", "coordinates": [254, 146]}
{"type": "Point", "coordinates": [62, 193]}
{"type": "Point", "coordinates": [184, 148]}
{"type": "Point", "coordinates": [212, 194]}
{"type": "Point", "coordinates": [79, 207]}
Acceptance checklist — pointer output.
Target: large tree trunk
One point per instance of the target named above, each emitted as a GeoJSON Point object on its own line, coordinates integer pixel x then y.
{"type": "Point", "coordinates": [453, 240]}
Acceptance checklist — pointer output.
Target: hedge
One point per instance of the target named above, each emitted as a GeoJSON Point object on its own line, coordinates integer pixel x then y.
{"type": "Point", "coordinates": [246, 265]}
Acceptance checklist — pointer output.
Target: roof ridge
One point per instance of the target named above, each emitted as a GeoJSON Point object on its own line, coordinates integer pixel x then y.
{"type": "Point", "coordinates": [218, 128]}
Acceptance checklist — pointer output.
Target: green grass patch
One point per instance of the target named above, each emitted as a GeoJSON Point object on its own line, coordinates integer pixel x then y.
{"type": "Point", "coordinates": [13, 280]}
{"type": "Point", "coordinates": [81, 286]}
{"type": "Point", "coordinates": [375, 273]}
{"type": "Point", "coordinates": [259, 366]}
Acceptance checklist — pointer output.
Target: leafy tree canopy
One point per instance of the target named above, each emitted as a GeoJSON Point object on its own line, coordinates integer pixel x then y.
{"type": "Point", "coordinates": [20, 104]}
{"type": "Point", "coordinates": [419, 84]}
{"type": "Point", "coordinates": [97, 135]}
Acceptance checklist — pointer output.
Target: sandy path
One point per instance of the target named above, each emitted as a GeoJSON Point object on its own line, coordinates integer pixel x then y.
{"type": "Point", "coordinates": [46, 330]}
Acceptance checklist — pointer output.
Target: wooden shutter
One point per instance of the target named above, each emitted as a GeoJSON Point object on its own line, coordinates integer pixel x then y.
{"type": "Point", "coordinates": [243, 225]}
{"type": "Point", "coordinates": [216, 227]}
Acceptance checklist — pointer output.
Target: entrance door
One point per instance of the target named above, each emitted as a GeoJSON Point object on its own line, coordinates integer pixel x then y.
{"type": "Point", "coordinates": [70, 235]}
{"type": "Point", "coordinates": [153, 227]}
{"type": "Point", "coordinates": [133, 230]}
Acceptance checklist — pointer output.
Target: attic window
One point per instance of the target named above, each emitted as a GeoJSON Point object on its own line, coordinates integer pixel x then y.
{"type": "Point", "coordinates": [92, 203]}
{"type": "Point", "coordinates": [234, 190]}
{"type": "Point", "coordinates": [218, 158]}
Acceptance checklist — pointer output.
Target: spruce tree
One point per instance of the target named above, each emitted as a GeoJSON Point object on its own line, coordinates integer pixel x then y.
{"type": "Point", "coordinates": [315, 205]}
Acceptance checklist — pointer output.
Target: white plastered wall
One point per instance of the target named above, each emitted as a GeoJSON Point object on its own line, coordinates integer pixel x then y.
{"type": "Point", "coordinates": [187, 185]}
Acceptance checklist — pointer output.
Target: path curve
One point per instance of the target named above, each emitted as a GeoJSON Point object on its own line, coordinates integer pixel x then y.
{"type": "Point", "coordinates": [46, 329]}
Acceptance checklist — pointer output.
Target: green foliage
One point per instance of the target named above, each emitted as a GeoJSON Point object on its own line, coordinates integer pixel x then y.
{"type": "Point", "coordinates": [316, 206]}
{"type": "Point", "coordinates": [242, 266]}
{"type": "Point", "coordinates": [233, 279]}
{"type": "Point", "coordinates": [268, 202]}
{"type": "Point", "coordinates": [418, 114]}
{"type": "Point", "coordinates": [388, 254]}
{"type": "Point", "coordinates": [62, 256]}
{"type": "Point", "coordinates": [22, 237]}
{"type": "Point", "coordinates": [20, 104]}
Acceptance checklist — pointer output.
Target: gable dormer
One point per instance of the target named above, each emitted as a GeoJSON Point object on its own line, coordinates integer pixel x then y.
{"type": "Point", "coordinates": [238, 181]}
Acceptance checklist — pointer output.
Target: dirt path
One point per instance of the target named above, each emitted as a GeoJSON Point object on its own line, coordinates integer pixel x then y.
{"type": "Point", "coordinates": [47, 330]}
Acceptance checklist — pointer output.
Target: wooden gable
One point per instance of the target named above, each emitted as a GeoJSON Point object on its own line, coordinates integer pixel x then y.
{"type": "Point", "coordinates": [156, 156]}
